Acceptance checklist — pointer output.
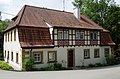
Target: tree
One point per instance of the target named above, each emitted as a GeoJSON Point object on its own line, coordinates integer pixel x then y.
{"type": "Point", "coordinates": [3, 26]}
{"type": "Point", "coordinates": [113, 23]}
{"type": "Point", "coordinates": [105, 13]}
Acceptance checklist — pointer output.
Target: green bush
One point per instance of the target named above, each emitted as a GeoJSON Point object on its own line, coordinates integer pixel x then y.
{"type": "Point", "coordinates": [5, 66]}
{"type": "Point", "coordinates": [57, 66]}
{"type": "Point", "coordinates": [98, 65]}
{"type": "Point", "coordinates": [91, 65]}
{"type": "Point", "coordinates": [28, 64]}
{"type": "Point", "coordinates": [1, 56]}
{"type": "Point", "coordinates": [110, 60]}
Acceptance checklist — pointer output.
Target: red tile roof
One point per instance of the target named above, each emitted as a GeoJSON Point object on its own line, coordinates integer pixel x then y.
{"type": "Point", "coordinates": [34, 37]}
{"type": "Point", "coordinates": [30, 16]}
{"type": "Point", "coordinates": [37, 17]}
{"type": "Point", "coordinates": [106, 39]}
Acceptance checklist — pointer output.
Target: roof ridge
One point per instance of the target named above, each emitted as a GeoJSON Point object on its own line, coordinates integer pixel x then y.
{"type": "Point", "coordinates": [24, 7]}
{"type": "Point", "coordinates": [48, 9]}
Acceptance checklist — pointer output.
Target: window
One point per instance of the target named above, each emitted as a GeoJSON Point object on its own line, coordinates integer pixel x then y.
{"type": "Point", "coordinates": [8, 37]}
{"type": "Point", "coordinates": [5, 37]}
{"type": "Point", "coordinates": [11, 56]}
{"type": "Point", "coordinates": [79, 35]}
{"type": "Point", "coordinates": [5, 54]}
{"type": "Point", "coordinates": [60, 34]}
{"type": "Point", "coordinates": [93, 35]}
{"type": "Point", "coordinates": [16, 57]}
{"type": "Point", "coordinates": [8, 56]}
{"type": "Point", "coordinates": [106, 51]}
{"type": "Point", "coordinates": [96, 53]}
{"type": "Point", "coordinates": [86, 53]}
{"type": "Point", "coordinates": [27, 54]}
{"type": "Point", "coordinates": [38, 57]}
{"type": "Point", "coordinates": [65, 34]}
{"type": "Point", "coordinates": [52, 56]}
{"type": "Point", "coordinates": [15, 35]}
{"type": "Point", "coordinates": [11, 35]}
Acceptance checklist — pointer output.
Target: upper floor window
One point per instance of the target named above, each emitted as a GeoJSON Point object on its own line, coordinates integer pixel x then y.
{"type": "Point", "coordinates": [93, 35]}
{"type": "Point", "coordinates": [62, 34]}
{"type": "Point", "coordinates": [8, 36]}
{"type": "Point", "coordinates": [65, 34]}
{"type": "Point", "coordinates": [79, 35]}
{"type": "Point", "coordinates": [11, 35]}
{"type": "Point", "coordinates": [15, 35]}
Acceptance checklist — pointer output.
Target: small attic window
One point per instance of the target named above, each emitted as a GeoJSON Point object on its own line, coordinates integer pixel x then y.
{"type": "Point", "coordinates": [14, 19]}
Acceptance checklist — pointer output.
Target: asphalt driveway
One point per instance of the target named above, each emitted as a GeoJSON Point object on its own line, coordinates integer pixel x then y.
{"type": "Point", "coordinates": [112, 72]}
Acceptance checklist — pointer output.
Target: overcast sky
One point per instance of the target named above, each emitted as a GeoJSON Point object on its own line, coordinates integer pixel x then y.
{"type": "Point", "coordinates": [13, 6]}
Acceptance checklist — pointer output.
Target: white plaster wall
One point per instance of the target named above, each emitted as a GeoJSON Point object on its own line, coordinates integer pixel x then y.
{"type": "Point", "coordinates": [79, 55]}
{"type": "Point", "coordinates": [13, 46]}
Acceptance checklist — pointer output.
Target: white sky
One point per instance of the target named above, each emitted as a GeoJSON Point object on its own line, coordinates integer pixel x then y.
{"type": "Point", "coordinates": [13, 6]}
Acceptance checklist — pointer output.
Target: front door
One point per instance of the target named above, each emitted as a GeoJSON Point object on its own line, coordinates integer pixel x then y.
{"type": "Point", "coordinates": [70, 58]}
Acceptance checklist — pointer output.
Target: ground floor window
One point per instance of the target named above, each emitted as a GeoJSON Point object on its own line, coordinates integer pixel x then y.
{"type": "Point", "coordinates": [17, 58]}
{"type": "Point", "coordinates": [96, 53]}
{"type": "Point", "coordinates": [27, 54]}
{"type": "Point", "coordinates": [5, 54]}
{"type": "Point", "coordinates": [38, 57]}
{"type": "Point", "coordinates": [11, 56]}
{"type": "Point", "coordinates": [8, 55]}
{"type": "Point", "coordinates": [86, 53]}
{"type": "Point", "coordinates": [106, 52]}
{"type": "Point", "coordinates": [52, 56]}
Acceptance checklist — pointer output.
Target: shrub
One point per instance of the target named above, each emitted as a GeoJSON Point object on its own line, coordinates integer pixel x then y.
{"type": "Point", "coordinates": [91, 65]}
{"type": "Point", "coordinates": [57, 66]}
{"type": "Point", "coordinates": [50, 68]}
{"type": "Point", "coordinates": [28, 64]}
{"type": "Point", "coordinates": [98, 64]}
{"type": "Point", "coordinates": [5, 66]}
{"type": "Point", "coordinates": [110, 60]}
{"type": "Point", "coordinates": [1, 56]}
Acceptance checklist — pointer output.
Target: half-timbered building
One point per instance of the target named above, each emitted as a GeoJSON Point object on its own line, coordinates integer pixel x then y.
{"type": "Point", "coordinates": [52, 36]}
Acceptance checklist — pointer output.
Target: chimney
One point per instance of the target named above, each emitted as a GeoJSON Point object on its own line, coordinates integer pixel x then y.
{"type": "Point", "coordinates": [77, 12]}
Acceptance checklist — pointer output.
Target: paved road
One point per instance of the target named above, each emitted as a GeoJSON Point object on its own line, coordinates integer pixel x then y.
{"type": "Point", "coordinates": [99, 73]}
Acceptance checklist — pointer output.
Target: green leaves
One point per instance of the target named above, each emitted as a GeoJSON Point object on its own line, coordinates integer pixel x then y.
{"type": "Point", "coordinates": [4, 24]}
{"type": "Point", "coordinates": [105, 13]}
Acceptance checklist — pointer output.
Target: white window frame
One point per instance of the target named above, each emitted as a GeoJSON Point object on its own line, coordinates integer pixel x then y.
{"type": "Point", "coordinates": [96, 53]}
{"type": "Point", "coordinates": [79, 35]}
{"type": "Point", "coordinates": [86, 53]}
{"type": "Point", "coordinates": [60, 34]}
{"type": "Point", "coordinates": [65, 34]}
{"type": "Point", "coordinates": [38, 57]}
{"type": "Point", "coordinates": [94, 35]}
{"type": "Point", "coordinates": [52, 56]}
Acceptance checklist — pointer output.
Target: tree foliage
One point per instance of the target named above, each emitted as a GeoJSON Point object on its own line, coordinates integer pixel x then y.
{"type": "Point", "coordinates": [105, 13]}
{"type": "Point", "coordinates": [3, 26]}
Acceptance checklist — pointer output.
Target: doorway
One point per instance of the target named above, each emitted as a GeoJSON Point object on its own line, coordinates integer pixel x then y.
{"type": "Point", "coordinates": [71, 57]}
